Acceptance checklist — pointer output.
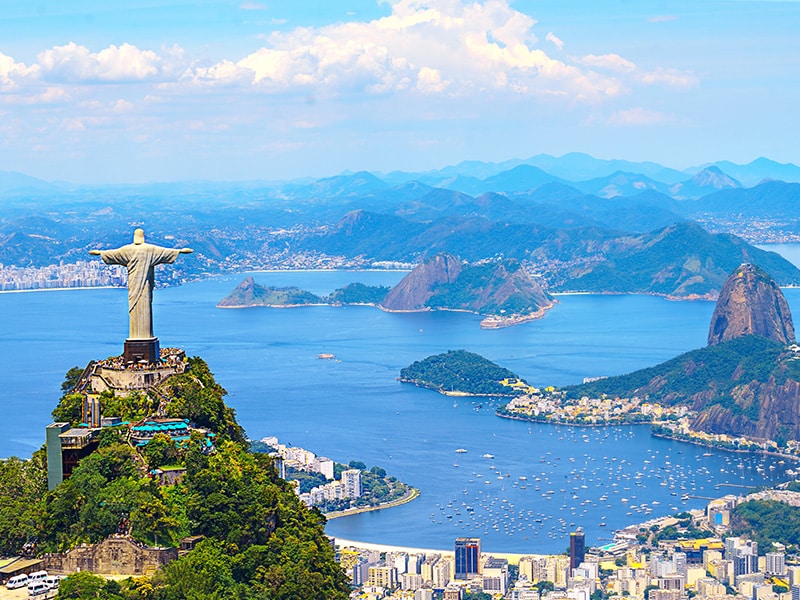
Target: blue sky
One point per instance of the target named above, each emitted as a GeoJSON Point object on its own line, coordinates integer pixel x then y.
{"type": "Point", "coordinates": [97, 91]}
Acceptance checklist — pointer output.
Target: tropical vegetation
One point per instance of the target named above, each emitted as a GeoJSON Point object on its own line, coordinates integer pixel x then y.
{"type": "Point", "coordinates": [260, 541]}
{"type": "Point", "coordinates": [459, 371]}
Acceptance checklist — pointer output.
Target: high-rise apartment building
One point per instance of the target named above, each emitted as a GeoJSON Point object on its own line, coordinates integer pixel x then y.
{"type": "Point", "coordinates": [577, 549]}
{"type": "Point", "coordinates": [351, 478]}
{"type": "Point", "coordinates": [468, 557]}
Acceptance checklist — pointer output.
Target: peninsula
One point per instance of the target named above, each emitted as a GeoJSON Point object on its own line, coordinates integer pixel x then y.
{"type": "Point", "coordinates": [745, 384]}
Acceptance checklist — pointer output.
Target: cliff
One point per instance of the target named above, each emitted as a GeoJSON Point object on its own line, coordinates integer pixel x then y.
{"type": "Point", "coordinates": [750, 302]}
{"type": "Point", "coordinates": [499, 288]}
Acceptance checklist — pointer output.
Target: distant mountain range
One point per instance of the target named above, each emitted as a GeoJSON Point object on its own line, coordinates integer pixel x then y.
{"type": "Point", "coordinates": [580, 222]}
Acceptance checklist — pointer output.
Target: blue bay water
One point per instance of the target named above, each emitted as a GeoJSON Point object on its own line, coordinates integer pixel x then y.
{"type": "Point", "coordinates": [352, 408]}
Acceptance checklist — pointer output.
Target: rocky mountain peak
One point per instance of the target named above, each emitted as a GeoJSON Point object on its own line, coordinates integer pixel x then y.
{"type": "Point", "coordinates": [416, 288]}
{"type": "Point", "coordinates": [714, 177]}
{"type": "Point", "coordinates": [750, 302]}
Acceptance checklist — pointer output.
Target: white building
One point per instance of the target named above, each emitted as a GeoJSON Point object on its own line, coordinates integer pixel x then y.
{"type": "Point", "coordinates": [351, 478]}
{"type": "Point", "coordinates": [775, 563]}
{"type": "Point", "coordinates": [495, 576]}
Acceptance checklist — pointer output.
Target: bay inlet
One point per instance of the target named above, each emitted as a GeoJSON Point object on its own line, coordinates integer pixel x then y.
{"type": "Point", "coordinates": [540, 482]}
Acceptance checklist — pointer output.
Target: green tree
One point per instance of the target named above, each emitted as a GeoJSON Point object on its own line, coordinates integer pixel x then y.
{"type": "Point", "coordinates": [203, 573]}
{"type": "Point", "coordinates": [160, 450]}
{"type": "Point", "coordinates": [84, 585]}
{"type": "Point", "coordinates": [23, 484]}
{"type": "Point", "coordinates": [69, 409]}
{"type": "Point", "coordinates": [71, 379]}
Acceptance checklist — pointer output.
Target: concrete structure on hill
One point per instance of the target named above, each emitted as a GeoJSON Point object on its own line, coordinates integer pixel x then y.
{"type": "Point", "coordinates": [116, 555]}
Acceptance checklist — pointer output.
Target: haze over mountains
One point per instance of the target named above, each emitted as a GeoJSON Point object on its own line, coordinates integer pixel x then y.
{"type": "Point", "coordinates": [579, 222]}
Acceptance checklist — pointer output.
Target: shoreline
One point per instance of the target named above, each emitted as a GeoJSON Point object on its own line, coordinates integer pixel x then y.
{"type": "Point", "coordinates": [412, 494]}
{"type": "Point", "coordinates": [512, 557]}
{"type": "Point", "coordinates": [454, 393]}
{"type": "Point", "coordinates": [724, 449]}
{"type": "Point", "coordinates": [567, 423]}
{"type": "Point", "coordinates": [65, 289]}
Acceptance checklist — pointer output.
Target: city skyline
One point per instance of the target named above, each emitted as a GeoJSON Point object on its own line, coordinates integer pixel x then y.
{"type": "Point", "coordinates": [220, 90]}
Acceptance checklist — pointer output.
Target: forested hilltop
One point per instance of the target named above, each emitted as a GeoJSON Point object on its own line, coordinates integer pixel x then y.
{"type": "Point", "coordinates": [462, 372]}
{"type": "Point", "coordinates": [260, 541]}
{"type": "Point", "coordinates": [250, 294]}
{"type": "Point", "coordinates": [747, 386]}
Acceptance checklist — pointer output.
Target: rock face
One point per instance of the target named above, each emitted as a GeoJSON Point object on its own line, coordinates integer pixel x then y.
{"type": "Point", "coordinates": [750, 302]}
{"type": "Point", "coordinates": [416, 288]}
{"type": "Point", "coordinates": [246, 293]}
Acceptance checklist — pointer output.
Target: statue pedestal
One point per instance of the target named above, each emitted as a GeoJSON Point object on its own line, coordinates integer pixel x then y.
{"type": "Point", "coordinates": [146, 350]}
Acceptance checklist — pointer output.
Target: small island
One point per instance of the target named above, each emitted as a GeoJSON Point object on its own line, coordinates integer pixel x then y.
{"type": "Point", "coordinates": [500, 291]}
{"type": "Point", "coordinates": [250, 294]}
{"type": "Point", "coordinates": [462, 373]}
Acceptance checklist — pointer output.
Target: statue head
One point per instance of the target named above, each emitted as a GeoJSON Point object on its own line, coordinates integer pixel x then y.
{"type": "Point", "coordinates": [138, 236]}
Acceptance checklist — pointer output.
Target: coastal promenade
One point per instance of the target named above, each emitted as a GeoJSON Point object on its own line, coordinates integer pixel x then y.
{"type": "Point", "coordinates": [407, 497]}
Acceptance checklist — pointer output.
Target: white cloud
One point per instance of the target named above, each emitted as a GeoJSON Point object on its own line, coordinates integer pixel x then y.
{"type": "Point", "coordinates": [551, 37]}
{"type": "Point", "coordinates": [662, 18]}
{"type": "Point", "coordinates": [12, 72]}
{"type": "Point", "coordinates": [122, 106]}
{"type": "Point", "coordinates": [670, 77]}
{"type": "Point", "coordinates": [639, 116]}
{"type": "Point", "coordinates": [452, 48]}
{"type": "Point", "coordinates": [113, 64]}
{"type": "Point", "coordinates": [430, 81]}
{"type": "Point", "coordinates": [438, 46]}
{"type": "Point", "coordinates": [609, 62]}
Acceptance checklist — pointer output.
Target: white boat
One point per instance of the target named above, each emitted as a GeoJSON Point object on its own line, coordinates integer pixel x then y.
{"type": "Point", "coordinates": [460, 450]}
{"type": "Point", "coordinates": [487, 455]}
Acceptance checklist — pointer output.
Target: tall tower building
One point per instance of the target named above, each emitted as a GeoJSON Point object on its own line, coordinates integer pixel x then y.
{"type": "Point", "coordinates": [468, 557]}
{"type": "Point", "coordinates": [577, 549]}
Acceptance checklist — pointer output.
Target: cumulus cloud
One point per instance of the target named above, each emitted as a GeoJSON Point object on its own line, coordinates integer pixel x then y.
{"type": "Point", "coordinates": [12, 72]}
{"type": "Point", "coordinates": [610, 62]}
{"type": "Point", "coordinates": [639, 116]}
{"type": "Point", "coordinates": [74, 63]}
{"type": "Point", "coordinates": [456, 48]}
{"type": "Point", "coordinates": [435, 46]}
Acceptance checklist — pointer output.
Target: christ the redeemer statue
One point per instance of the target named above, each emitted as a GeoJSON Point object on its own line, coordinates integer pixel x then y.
{"type": "Point", "coordinates": [140, 259]}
